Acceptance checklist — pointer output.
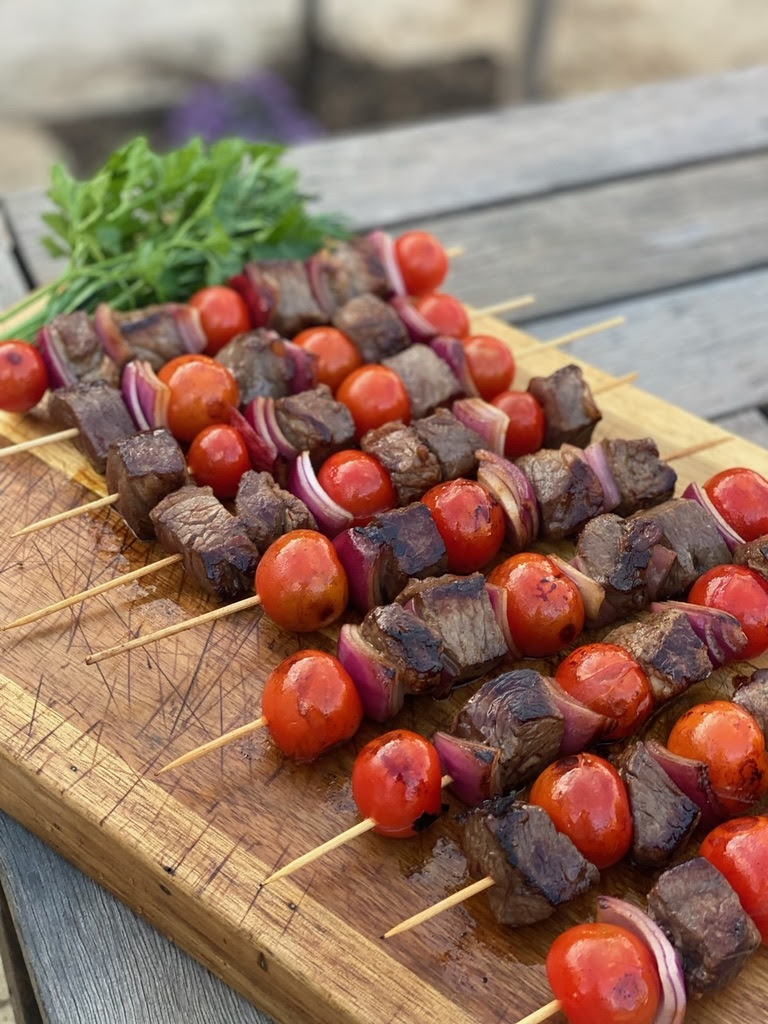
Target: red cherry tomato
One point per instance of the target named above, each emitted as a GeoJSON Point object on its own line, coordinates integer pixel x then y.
{"type": "Point", "coordinates": [336, 354]}
{"type": "Point", "coordinates": [586, 799]}
{"type": "Point", "coordinates": [397, 781]}
{"type": "Point", "coordinates": [545, 610]}
{"type": "Point", "coordinates": [23, 376]}
{"type": "Point", "coordinates": [301, 582]}
{"type": "Point", "coordinates": [470, 521]}
{"type": "Point", "coordinates": [744, 593]}
{"type": "Point", "coordinates": [359, 483]}
{"type": "Point", "coordinates": [310, 703]}
{"type": "Point", "coordinates": [217, 458]}
{"type": "Point", "coordinates": [491, 364]}
{"type": "Point", "coordinates": [739, 849]}
{"type": "Point", "coordinates": [423, 261]}
{"type": "Point", "coordinates": [607, 679]}
{"type": "Point", "coordinates": [202, 393]}
{"type": "Point", "coordinates": [728, 739]}
{"type": "Point", "coordinates": [446, 314]}
{"type": "Point", "coordinates": [527, 423]}
{"type": "Point", "coordinates": [223, 314]}
{"type": "Point", "coordinates": [375, 395]}
{"type": "Point", "coordinates": [601, 972]}
{"type": "Point", "coordinates": [741, 497]}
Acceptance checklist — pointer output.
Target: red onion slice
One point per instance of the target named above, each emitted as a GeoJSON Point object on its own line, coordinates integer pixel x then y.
{"type": "Point", "coordinates": [302, 481]}
{"type": "Point", "coordinates": [507, 482]}
{"type": "Point", "coordinates": [261, 450]}
{"type": "Point", "coordinates": [304, 365]}
{"type": "Point", "coordinates": [153, 395]}
{"type": "Point", "coordinates": [658, 569]}
{"type": "Point", "coordinates": [697, 493]}
{"type": "Point", "coordinates": [720, 631]}
{"type": "Point", "coordinates": [384, 244]}
{"type": "Point", "coordinates": [597, 457]}
{"type": "Point", "coordinates": [582, 725]}
{"type": "Point", "coordinates": [111, 337]}
{"type": "Point", "coordinates": [129, 388]}
{"type": "Point", "coordinates": [692, 778]}
{"type": "Point", "coordinates": [452, 351]}
{"type": "Point", "coordinates": [59, 373]}
{"type": "Point", "coordinates": [592, 593]}
{"type": "Point", "coordinates": [258, 290]}
{"type": "Point", "coordinates": [362, 558]}
{"type": "Point", "coordinates": [418, 327]}
{"type": "Point", "coordinates": [473, 766]}
{"type": "Point", "coordinates": [669, 964]}
{"type": "Point", "coordinates": [488, 421]}
{"type": "Point", "coordinates": [376, 681]}
{"type": "Point", "coordinates": [190, 327]}
{"type": "Point", "coordinates": [499, 599]}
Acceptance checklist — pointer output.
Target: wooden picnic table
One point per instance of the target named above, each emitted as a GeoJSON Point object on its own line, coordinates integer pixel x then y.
{"type": "Point", "coordinates": [651, 203]}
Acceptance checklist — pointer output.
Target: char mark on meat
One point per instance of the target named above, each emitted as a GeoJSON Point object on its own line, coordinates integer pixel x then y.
{"type": "Point", "coordinates": [73, 352]}
{"type": "Point", "coordinates": [155, 334]}
{"type": "Point", "coordinates": [267, 511]}
{"type": "Point", "coordinates": [752, 695]}
{"type": "Point", "coordinates": [536, 868]}
{"type": "Point", "coordinates": [700, 913]}
{"type": "Point", "coordinates": [411, 464]}
{"type": "Point", "coordinates": [411, 647]}
{"type": "Point", "coordinates": [374, 326]}
{"type": "Point", "coordinates": [515, 713]}
{"type": "Point", "coordinates": [452, 444]}
{"type": "Point", "coordinates": [343, 270]}
{"type": "Point", "coordinates": [213, 543]}
{"type": "Point", "coordinates": [569, 408]}
{"type": "Point", "coordinates": [567, 489]}
{"type": "Point", "coordinates": [428, 379]}
{"type": "Point", "coordinates": [314, 421]}
{"type": "Point", "coordinates": [98, 412]}
{"type": "Point", "coordinates": [260, 364]}
{"type": "Point", "coordinates": [753, 554]}
{"type": "Point", "coordinates": [142, 470]}
{"type": "Point", "coordinates": [642, 478]}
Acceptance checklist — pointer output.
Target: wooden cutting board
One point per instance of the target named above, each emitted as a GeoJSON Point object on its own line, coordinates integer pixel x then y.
{"type": "Point", "coordinates": [79, 747]}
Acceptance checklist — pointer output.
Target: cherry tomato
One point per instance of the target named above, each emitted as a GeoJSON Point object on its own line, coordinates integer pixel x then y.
{"type": "Point", "coordinates": [744, 593]}
{"type": "Point", "coordinates": [446, 314]}
{"type": "Point", "coordinates": [739, 849]}
{"type": "Point", "coordinates": [527, 423]}
{"type": "Point", "coordinates": [470, 521]}
{"type": "Point", "coordinates": [607, 679]}
{"type": "Point", "coordinates": [202, 392]}
{"type": "Point", "coordinates": [336, 354]}
{"type": "Point", "coordinates": [397, 781]}
{"type": "Point", "coordinates": [728, 739]}
{"type": "Point", "coordinates": [491, 364]}
{"type": "Point", "coordinates": [423, 261]}
{"type": "Point", "coordinates": [217, 458]}
{"type": "Point", "coordinates": [23, 376]}
{"type": "Point", "coordinates": [741, 497]}
{"type": "Point", "coordinates": [310, 703]}
{"type": "Point", "coordinates": [375, 395]}
{"type": "Point", "coordinates": [223, 314]}
{"type": "Point", "coordinates": [359, 483]}
{"type": "Point", "coordinates": [544, 608]}
{"type": "Point", "coordinates": [301, 582]}
{"type": "Point", "coordinates": [586, 799]}
{"type": "Point", "coordinates": [601, 972]}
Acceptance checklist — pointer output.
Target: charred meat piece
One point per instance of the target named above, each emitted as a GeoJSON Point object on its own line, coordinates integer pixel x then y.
{"type": "Point", "coordinates": [460, 610]}
{"type": "Point", "coordinates": [700, 913]}
{"type": "Point", "coordinates": [142, 469]}
{"type": "Point", "coordinates": [642, 478]}
{"type": "Point", "coordinates": [753, 554]}
{"type": "Point", "coordinates": [410, 463]}
{"type": "Point", "coordinates": [98, 412]}
{"type": "Point", "coordinates": [73, 351]}
{"type": "Point", "coordinates": [569, 407]}
{"type": "Point", "coordinates": [213, 543]}
{"type": "Point", "coordinates": [662, 816]}
{"type": "Point", "coordinates": [374, 326]}
{"type": "Point", "coordinates": [267, 511]}
{"type": "Point", "coordinates": [428, 379]}
{"type": "Point", "coordinates": [343, 270]}
{"type": "Point", "coordinates": [412, 648]}
{"type": "Point", "coordinates": [452, 444]}
{"type": "Point", "coordinates": [314, 421]}
{"type": "Point", "coordinates": [752, 695]}
{"type": "Point", "coordinates": [567, 489]}
{"type": "Point", "coordinates": [516, 713]}
{"type": "Point", "coordinates": [670, 652]}
{"type": "Point", "coordinates": [535, 867]}
{"type": "Point", "coordinates": [260, 364]}
{"type": "Point", "coordinates": [279, 295]}
{"type": "Point", "coordinates": [155, 334]}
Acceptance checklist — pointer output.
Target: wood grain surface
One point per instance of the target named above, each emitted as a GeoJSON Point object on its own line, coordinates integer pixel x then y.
{"type": "Point", "coordinates": [79, 747]}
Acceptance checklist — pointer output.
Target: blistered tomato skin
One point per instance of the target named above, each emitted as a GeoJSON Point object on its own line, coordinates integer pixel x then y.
{"type": "Point", "coordinates": [491, 364]}
{"type": "Point", "coordinates": [375, 395]}
{"type": "Point", "coordinates": [470, 521]}
{"type": "Point", "coordinates": [336, 355]}
{"type": "Point", "coordinates": [359, 483]}
{"type": "Point", "coordinates": [446, 314]}
{"type": "Point", "coordinates": [422, 260]}
{"type": "Point", "coordinates": [744, 593]}
{"type": "Point", "coordinates": [23, 376]}
{"type": "Point", "coordinates": [217, 458]}
{"type": "Point", "coordinates": [202, 392]}
{"type": "Point", "coordinates": [739, 849]}
{"type": "Point", "coordinates": [527, 422]}
{"type": "Point", "coordinates": [607, 679]}
{"type": "Point", "coordinates": [740, 495]}
{"type": "Point", "coordinates": [301, 582]}
{"type": "Point", "coordinates": [223, 315]}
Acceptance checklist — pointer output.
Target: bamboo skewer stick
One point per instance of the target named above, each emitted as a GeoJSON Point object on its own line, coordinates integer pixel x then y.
{"type": "Point", "coordinates": [618, 382]}
{"type": "Point", "coordinates": [60, 517]}
{"type": "Point", "coordinates": [506, 306]}
{"type": "Point", "coordinates": [543, 1013]}
{"type": "Point", "coordinates": [454, 250]}
{"type": "Point", "coordinates": [437, 908]}
{"type": "Point", "coordinates": [582, 332]}
{"type": "Point", "coordinates": [220, 741]}
{"type": "Point", "coordinates": [38, 442]}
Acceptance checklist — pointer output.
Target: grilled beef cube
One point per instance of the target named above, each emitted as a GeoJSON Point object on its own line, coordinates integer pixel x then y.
{"type": "Point", "coordinates": [142, 470]}
{"type": "Point", "coordinates": [215, 547]}
{"type": "Point", "coordinates": [567, 489]}
{"type": "Point", "coordinates": [642, 478]}
{"type": "Point", "coordinates": [267, 511]}
{"type": "Point", "coordinates": [260, 364]}
{"type": "Point", "coordinates": [753, 554]}
{"type": "Point", "coordinates": [662, 816]}
{"type": "Point", "coordinates": [98, 412]}
{"type": "Point", "coordinates": [535, 867]}
{"type": "Point", "coordinates": [515, 713]}
{"type": "Point", "coordinates": [412, 648]}
{"type": "Point", "coordinates": [73, 351]}
{"type": "Point", "coordinates": [155, 333]}
{"type": "Point", "coordinates": [410, 463]}
{"type": "Point", "coordinates": [459, 609]}
{"type": "Point", "coordinates": [285, 297]}
{"type": "Point", "coordinates": [569, 408]}
{"type": "Point", "coordinates": [690, 531]}
{"type": "Point", "coordinates": [374, 326]}
{"type": "Point", "coordinates": [343, 270]}
{"type": "Point", "coordinates": [314, 421]}
{"type": "Point", "coordinates": [670, 652]}
{"type": "Point", "coordinates": [695, 905]}
{"type": "Point", "coordinates": [752, 695]}
{"type": "Point", "coordinates": [452, 444]}
{"type": "Point", "coordinates": [428, 379]}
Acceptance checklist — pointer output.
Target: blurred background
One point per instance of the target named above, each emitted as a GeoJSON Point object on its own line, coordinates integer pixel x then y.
{"type": "Point", "coordinates": [78, 78]}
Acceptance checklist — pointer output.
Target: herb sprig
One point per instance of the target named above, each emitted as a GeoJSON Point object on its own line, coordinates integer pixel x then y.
{"type": "Point", "coordinates": [154, 228]}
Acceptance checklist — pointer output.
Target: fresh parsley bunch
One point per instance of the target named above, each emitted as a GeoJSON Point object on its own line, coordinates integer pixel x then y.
{"type": "Point", "coordinates": [154, 228]}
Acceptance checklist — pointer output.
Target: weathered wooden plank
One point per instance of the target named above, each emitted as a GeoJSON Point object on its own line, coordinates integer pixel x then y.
{"type": "Point", "coordinates": [18, 1005]}
{"type": "Point", "coordinates": [751, 423]}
